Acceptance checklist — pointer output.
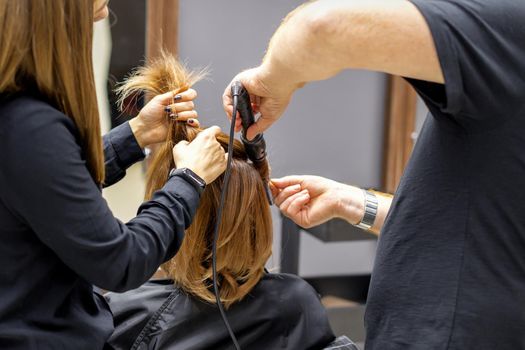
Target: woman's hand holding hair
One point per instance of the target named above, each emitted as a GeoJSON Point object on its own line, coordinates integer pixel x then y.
{"type": "Point", "coordinates": [204, 155]}
{"type": "Point", "coordinates": [151, 125]}
{"type": "Point", "coordinates": [312, 200]}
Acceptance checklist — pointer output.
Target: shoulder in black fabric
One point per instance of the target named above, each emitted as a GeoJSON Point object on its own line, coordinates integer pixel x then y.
{"type": "Point", "coordinates": [282, 312]}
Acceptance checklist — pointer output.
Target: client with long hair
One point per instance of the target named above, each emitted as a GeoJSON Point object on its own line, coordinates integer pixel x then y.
{"type": "Point", "coordinates": [266, 311]}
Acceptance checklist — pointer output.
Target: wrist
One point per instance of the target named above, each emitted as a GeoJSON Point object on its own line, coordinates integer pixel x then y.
{"type": "Point", "coordinates": [190, 176]}
{"type": "Point", "coordinates": [139, 131]}
{"type": "Point", "coordinates": [371, 211]}
{"type": "Point", "coordinates": [201, 173]}
{"type": "Point", "coordinates": [350, 204]}
{"type": "Point", "coordinates": [279, 76]}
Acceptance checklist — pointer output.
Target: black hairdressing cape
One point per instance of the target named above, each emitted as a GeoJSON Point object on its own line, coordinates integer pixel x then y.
{"type": "Point", "coordinates": [281, 312]}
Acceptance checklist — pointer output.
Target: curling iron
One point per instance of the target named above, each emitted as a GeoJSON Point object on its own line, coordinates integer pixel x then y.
{"type": "Point", "coordinates": [256, 148]}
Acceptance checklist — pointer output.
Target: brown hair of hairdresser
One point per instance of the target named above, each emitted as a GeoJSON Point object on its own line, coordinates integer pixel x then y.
{"type": "Point", "coordinates": [47, 46]}
{"type": "Point", "coordinates": [245, 233]}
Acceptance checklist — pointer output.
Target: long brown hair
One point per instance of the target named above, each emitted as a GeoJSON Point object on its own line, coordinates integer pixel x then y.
{"type": "Point", "coordinates": [245, 233]}
{"type": "Point", "coordinates": [47, 45]}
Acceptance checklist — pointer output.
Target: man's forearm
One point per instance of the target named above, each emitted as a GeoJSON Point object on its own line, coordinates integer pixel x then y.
{"type": "Point", "coordinates": [321, 38]}
{"type": "Point", "coordinates": [352, 207]}
{"type": "Point", "coordinates": [297, 48]}
{"type": "Point", "coordinates": [385, 202]}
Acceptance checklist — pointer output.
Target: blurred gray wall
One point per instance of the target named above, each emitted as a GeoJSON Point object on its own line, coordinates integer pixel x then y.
{"type": "Point", "coordinates": [332, 128]}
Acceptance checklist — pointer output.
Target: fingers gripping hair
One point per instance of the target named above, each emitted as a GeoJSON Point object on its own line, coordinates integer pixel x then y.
{"type": "Point", "coordinates": [160, 76]}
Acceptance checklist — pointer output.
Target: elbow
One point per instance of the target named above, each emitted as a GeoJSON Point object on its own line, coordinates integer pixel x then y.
{"type": "Point", "coordinates": [333, 27]}
{"type": "Point", "coordinates": [120, 285]}
{"type": "Point", "coordinates": [322, 22]}
{"type": "Point", "coordinates": [122, 280]}
{"type": "Point", "coordinates": [313, 21]}
{"type": "Point", "coordinates": [329, 32]}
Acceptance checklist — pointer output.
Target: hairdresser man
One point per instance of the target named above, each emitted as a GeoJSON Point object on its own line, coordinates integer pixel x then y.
{"type": "Point", "coordinates": [450, 266]}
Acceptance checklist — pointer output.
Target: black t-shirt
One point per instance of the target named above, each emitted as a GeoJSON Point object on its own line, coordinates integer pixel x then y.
{"type": "Point", "coordinates": [450, 267]}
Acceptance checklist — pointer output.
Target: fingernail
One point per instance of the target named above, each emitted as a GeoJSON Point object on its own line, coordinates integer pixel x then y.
{"type": "Point", "coordinates": [190, 121]}
{"type": "Point", "coordinates": [172, 116]}
{"type": "Point", "coordinates": [177, 97]}
{"type": "Point", "coordinates": [167, 109]}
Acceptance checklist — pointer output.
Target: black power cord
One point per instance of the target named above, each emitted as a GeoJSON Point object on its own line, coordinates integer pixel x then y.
{"type": "Point", "coordinates": [225, 183]}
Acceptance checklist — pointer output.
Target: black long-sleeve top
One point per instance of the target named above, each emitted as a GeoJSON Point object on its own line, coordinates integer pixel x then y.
{"type": "Point", "coordinates": [58, 238]}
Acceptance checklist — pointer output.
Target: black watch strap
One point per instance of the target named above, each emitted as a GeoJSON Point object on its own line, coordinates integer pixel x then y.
{"type": "Point", "coordinates": [189, 176]}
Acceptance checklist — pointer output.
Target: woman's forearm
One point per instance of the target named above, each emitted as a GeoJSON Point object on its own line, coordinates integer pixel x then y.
{"type": "Point", "coordinates": [121, 150]}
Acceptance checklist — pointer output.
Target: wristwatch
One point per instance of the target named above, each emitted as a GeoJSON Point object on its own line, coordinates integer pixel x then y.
{"type": "Point", "coordinates": [189, 176]}
{"type": "Point", "coordinates": [371, 205]}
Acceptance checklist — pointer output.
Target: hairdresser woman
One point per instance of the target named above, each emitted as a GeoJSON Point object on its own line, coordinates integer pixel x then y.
{"type": "Point", "coordinates": [58, 236]}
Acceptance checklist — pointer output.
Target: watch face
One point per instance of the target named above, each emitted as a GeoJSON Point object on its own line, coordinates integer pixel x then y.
{"type": "Point", "coordinates": [195, 177]}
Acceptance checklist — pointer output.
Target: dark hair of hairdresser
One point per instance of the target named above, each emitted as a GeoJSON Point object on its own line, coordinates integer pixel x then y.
{"type": "Point", "coordinates": [245, 233]}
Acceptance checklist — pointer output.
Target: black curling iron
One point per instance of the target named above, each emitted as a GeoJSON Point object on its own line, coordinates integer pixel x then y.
{"type": "Point", "coordinates": [256, 148]}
